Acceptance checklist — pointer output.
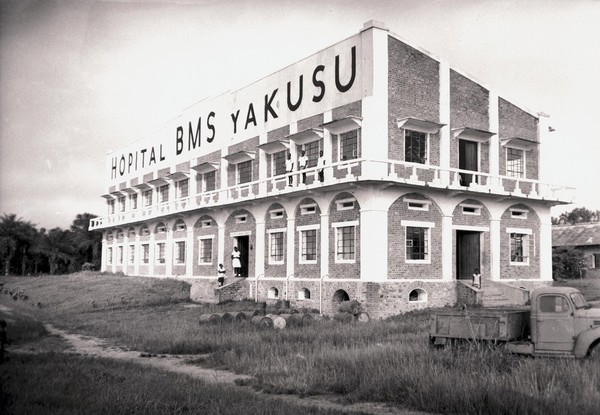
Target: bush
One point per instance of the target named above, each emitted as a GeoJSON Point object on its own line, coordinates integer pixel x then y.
{"type": "Point", "coordinates": [567, 263]}
{"type": "Point", "coordinates": [88, 266]}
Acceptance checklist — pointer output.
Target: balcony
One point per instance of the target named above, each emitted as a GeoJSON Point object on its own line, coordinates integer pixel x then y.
{"type": "Point", "coordinates": [384, 171]}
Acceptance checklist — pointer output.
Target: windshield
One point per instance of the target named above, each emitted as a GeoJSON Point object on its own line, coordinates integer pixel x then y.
{"type": "Point", "coordinates": [578, 300]}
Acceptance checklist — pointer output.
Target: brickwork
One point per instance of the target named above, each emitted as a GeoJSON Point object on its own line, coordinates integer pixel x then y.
{"type": "Point", "coordinates": [531, 270]}
{"type": "Point", "coordinates": [163, 172]}
{"type": "Point", "coordinates": [214, 157]}
{"type": "Point", "coordinates": [469, 103]}
{"type": "Point", "coordinates": [514, 122]}
{"type": "Point", "coordinates": [307, 270]}
{"type": "Point", "coordinates": [398, 268]}
{"type": "Point", "coordinates": [413, 91]}
{"type": "Point", "coordinates": [248, 145]}
{"type": "Point", "coordinates": [352, 109]}
{"type": "Point", "coordinates": [183, 167]}
{"type": "Point", "coordinates": [311, 122]}
{"type": "Point", "coordinates": [232, 227]}
{"type": "Point", "coordinates": [178, 269]}
{"type": "Point", "coordinates": [200, 231]}
{"type": "Point", "coordinates": [275, 270]}
{"type": "Point", "coordinates": [343, 270]}
{"type": "Point", "coordinates": [278, 134]}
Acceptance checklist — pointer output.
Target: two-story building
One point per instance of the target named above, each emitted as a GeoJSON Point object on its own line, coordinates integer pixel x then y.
{"type": "Point", "coordinates": [425, 175]}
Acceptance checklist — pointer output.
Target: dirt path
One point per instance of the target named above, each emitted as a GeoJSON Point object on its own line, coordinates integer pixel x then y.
{"type": "Point", "coordinates": [91, 346]}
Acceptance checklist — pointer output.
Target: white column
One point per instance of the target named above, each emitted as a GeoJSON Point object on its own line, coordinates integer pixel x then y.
{"type": "Point", "coordinates": [494, 140]}
{"type": "Point", "coordinates": [290, 246]}
{"type": "Point", "coordinates": [495, 239]}
{"type": "Point", "coordinates": [447, 260]}
{"type": "Point", "coordinates": [169, 253]}
{"type": "Point", "coordinates": [192, 184]}
{"type": "Point", "coordinates": [223, 167]}
{"type": "Point", "coordinates": [189, 252]}
{"type": "Point", "coordinates": [152, 252]}
{"type": "Point", "coordinates": [545, 246]}
{"type": "Point", "coordinates": [125, 252]}
{"type": "Point", "coordinates": [373, 245]}
{"type": "Point", "coordinates": [445, 138]}
{"type": "Point", "coordinates": [327, 146]}
{"type": "Point", "coordinates": [221, 244]}
{"type": "Point", "coordinates": [259, 250]}
{"type": "Point", "coordinates": [324, 248]}
{"type": "Point", "coordinates": [103, 257]}
{"type": "Point", "coordinates": [138, 251]}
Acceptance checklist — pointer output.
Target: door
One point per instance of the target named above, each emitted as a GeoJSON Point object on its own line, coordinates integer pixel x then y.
{"type": "Point", "coordinates": [467, 254]}
{"type": "Point", "coordinates": [242, 243]}
{"type": "Point", "coordinates": [554, 325]}
{"type": "Point", "coordinates": [467, 160]}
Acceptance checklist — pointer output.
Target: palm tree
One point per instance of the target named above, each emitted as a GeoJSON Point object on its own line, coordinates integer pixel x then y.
{"type": "Point", "coordinates": [86, 242]}
{"type": "Point", "coordinates": [16, 237]}
{"type": "Point", "coordinates": [58, 247]}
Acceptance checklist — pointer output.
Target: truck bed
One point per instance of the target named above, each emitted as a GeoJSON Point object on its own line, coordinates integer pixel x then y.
{"type": "Point", "coordinates": [499, 324]}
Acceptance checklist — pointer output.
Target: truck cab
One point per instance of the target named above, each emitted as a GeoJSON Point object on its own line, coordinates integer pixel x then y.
{"type": "Point", "coordinates": [562, 324]}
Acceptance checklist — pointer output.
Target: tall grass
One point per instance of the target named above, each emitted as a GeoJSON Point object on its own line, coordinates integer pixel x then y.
{"type": "Point", "coordinates": [387, 361]}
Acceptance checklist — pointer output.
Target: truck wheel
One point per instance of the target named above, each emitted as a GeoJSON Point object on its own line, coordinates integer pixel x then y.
{"type": "Point", "coordinates": [594, 352]}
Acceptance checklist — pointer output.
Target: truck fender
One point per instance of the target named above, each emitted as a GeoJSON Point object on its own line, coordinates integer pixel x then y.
{"type": "Point", "coordinates": [584, 341]}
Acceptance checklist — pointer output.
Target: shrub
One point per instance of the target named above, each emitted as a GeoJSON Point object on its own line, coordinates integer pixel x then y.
{"type": "Point", "coordinates": [567, 263]}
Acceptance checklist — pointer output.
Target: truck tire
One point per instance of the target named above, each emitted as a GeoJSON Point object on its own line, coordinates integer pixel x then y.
{"type": "Point", "coordinates": [594, 352]}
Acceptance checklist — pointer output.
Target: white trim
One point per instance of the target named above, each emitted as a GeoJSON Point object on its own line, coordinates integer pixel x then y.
{"type": "Point", "coordinates": [424, 204]}
{"type": "Point", "coordinates": [276, 230]}
{"type": "Point", "coordinates": [471, 228]}
{"type": "Point", "coordinates": [344, 224]}
{"type": "Point", "coordinates": [241, 218]}
{"type": "Point", "coordinates": [174, 245]}
{"type": "Point", "coordinates": [276, 213]}
{"type": "Point", "coordinates": [271, 260]}
{"type": "Point", "coordinates": [205, 237]}
{"type": "Point", "coordinates": [524, 231]}
{"type": "Point", "coordinates": [525, 246]}
{"type": "Point", "coordinates": [339, 203]}
{"type": "Point", "coordinates": [141, 256]}
{"type": "Point", "coordinates": [427, 146]}
{"type": "Point", "coordinates": [240, 233]}
{"type": "Point", "coordinates": [156, 252]}
{"type": "Point", "coordinates": [417, 224]}
{"type": "Point", "coordinates": [524, 152]}
{"type": "Point", "coordinates": [414, 224]}
{"type": "Point", "coordinates": [308, 227]}
{"type": "Point", "coordinates": [303, 209]}
{"type": "Point", "coordinates": [355, 153]}
{"type": "Point", "coordinates": [522, 214]}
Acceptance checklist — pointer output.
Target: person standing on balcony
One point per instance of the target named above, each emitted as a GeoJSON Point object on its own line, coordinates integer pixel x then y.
{"type": "Point", "coordinates": [236, 263]}
{"type": "Point", "coordinates": [321, 164]}
{"type": "Point", "coordinates": [302, 164]}
{"type": "Point", "coordinates": [289, 168]}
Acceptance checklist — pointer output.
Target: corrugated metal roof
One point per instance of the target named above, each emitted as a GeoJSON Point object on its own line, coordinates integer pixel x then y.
{"type": "Point", "coordinates": [576, 235]}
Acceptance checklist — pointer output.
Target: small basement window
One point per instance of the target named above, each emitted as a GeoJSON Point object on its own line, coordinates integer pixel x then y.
{"type": "Point", "coordinates": [273, 293]}
{"type": "Point", "coordinates": [303, 294]}
{"type": "Point", "coordinates": [417, 296]}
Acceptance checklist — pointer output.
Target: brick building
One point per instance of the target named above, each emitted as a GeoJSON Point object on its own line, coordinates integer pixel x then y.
{"type": "Point", "coordinates": [584, 237]}
{"type": "Point", "coordinates": [427, 176]}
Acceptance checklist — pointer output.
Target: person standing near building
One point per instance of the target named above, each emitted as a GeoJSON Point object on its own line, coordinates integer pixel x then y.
{"type": "Point", "coordinates": [221, 275]}
{"type": "Point", "coordinates": [289, 169]}
{"type": "Point", "coordinates": [476, 278]}
{"type": "Point", "coordinates": [236, 263]}
{"type": "Point", "coordinates": [302, 164]}
{"type": "Point", "coordinates": [321, 164]}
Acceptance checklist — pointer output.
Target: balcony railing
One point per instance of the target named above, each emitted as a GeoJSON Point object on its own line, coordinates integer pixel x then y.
{"type": "Point", "coordinates": [413, 174]}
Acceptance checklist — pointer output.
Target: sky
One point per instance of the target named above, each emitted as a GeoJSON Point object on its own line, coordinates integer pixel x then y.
{"type": "Point", "coordinates": [79, 78]}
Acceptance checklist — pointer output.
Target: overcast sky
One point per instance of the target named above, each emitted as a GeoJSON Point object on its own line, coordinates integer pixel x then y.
{"type": "Point", "coordinates": [78, 78]}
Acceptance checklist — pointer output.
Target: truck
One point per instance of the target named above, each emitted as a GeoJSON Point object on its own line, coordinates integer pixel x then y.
{"type": "Point", "coordinates": [559, 322]}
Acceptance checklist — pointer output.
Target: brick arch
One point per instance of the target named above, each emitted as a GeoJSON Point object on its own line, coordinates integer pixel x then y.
{"type": "Point", "coordinates": [202, 219]}
{"type": "Point", "coordinates": [176, 222]}
{"type": "Point", "coordinates": [306, 201]}
{"type": "Point", "coordinates": [399, 211]}
{"type": "Point", "coordinates": [117, 232]}
{"type": "Point", "coordinates": [130, 229]}
{"type": "Point", "coordinates": [464, 218]}
{"type": "Point", "coordinates": [341, 196]}
{"type": "Point", "coordinates": [271, 207]}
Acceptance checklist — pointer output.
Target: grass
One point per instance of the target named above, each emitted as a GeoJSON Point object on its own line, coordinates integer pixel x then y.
{"type": "Point", "coordinates": [383, 361]}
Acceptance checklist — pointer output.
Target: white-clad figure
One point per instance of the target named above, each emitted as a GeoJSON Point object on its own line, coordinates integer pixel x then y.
{"type": "Point", "coordinates": [321, 164]}
{"type": "Point", "coordinates": [302, 164]}
{"type": "Point", "coordinates": [236, 264]}
{"type": "Point", "coordinates": [289, 168]}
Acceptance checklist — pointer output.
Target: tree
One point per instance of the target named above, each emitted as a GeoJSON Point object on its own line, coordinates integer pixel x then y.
{"type": "Point", "coordinates": [87, 243]}
{"type": "Point", "coordinates": [58, 246]}
{"type": "Point", "coordinates": [16, 237]}
{"type": "Point", "coordinates": [577, 215]}
{"type": "Point", "coordinates": [567, 263]}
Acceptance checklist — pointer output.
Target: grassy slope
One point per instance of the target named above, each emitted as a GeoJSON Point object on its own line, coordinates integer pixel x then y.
{"type": "Point", "coordinates": [385, 361]}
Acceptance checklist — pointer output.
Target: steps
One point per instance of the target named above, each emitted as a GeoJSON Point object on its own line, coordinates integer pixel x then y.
{"type": "Point", "coordinates": [495, 295]}
{"type": "Point", "coordinates": [208, 291]}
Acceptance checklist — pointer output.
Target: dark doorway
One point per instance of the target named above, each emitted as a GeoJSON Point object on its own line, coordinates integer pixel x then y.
{"type": "Point", "coordinates": [243, 243]}
{"type": "Point", "coordinates": [467, 253]}
{"type": "Point", "coordinates": [467, 160]}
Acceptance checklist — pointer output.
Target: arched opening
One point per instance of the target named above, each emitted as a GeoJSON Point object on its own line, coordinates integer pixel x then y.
{"type": "Point", "coordinates": [273, 293]}
{"type": "Point", "coordinates": [339, 296]}
{"type": "Point", "coordinates": [303, 294]}
{"type": "Point", "coordinates": [417, 295]}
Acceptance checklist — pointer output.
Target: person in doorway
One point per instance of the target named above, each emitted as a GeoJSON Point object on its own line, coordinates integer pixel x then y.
{"type": "Point", "coordinates": [289, 168]}
{"type": "Point", "coordinates": [221, 275]}
{"type": "Point", "coordinates": [321, 164]}
{"type": "Point", "coordinates": [236, 263]}
{"type": "Point", "coordinates": [302, 164]}
{"type": "Point", "coordinates": [476, 278]}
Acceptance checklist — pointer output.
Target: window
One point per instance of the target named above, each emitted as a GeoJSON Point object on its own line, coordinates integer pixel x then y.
{"type": "Point", "coordinates": [273, 293]}
{"type": "Point", "coordinates": [345, 243]}
{"type": "Point", "coordinates": [206, 223]}
{"type": "Point", "coordinates": [109, 236]}
{"type": "Point", "coordinates": [180, 226]}
{"type": "Point", "coordinates": [308, 245]}
{"type": "Point", "coordinates": [244, 172]}
{"type": "Point", "coordinates": [122, 204]}
{"type": "Point", "coordinates": [205, 255]}
{"type": "Point", "coordinates": [417, 243]}
{"type": "Point", "coordinates": [349, 145]}
{"type": "Point", "coordinates": [145, 231]}
{"type": "Point", "coordinates": [308, 209]}
{"type": "Point", "coordinates": [179, 257]}
{"type": "Point", "coordinates": [145, 253]}
{"type": "Point", "coordinates": [161, 228]}
{"type": "Point", "coordinates": [345, 204]}
{"type": "Point", "coordinates": [276, 247]}
{"type": "Point", "coordinates": [278, 163]}
{"type": "Point", "coordinates": [595, 260]}
{"type": "Point", "coordinates": [276, 213]}
{"type": "Point", "coordinates": [120, 255]}
{"type": "Point", "coordinates": [518, 214]}
{"type": "Point", "coordinates": [131, 233]}
{"type": "Point", "coordinates": [111, 206]}
{"type": "Point", "coordinates": [416, 204]}
{"type": "Point", "coordinates": [312, 152]}
{"type": "Point", "coordinates": [241, 218]}
{"type": "Point", "coordinates": [415, 147]}
{"type": "Point", "coordinates": [209, 181]}
{"type": "Point", "coordinates": [160, 253]}
{"type": "Point", "coordinates": [182, 188]}
{"type": "Point", "coordinates": [303, 294]}
{"type": "Point", "coordinates": [133, 201]}
{"type": "Point", "coordinates": [515, 162]}
{"type": "Point", "coordinates": [109, 256]}
{"type": "Point", "coordinates": [163, 193]}
{"type": "Point", "coordinates": [471, 210]}
{"type": "Point", "coordinates": [131, 254]}
{"type": "Point", "coordinates": [553, 304]}
{"type": "Point", "coordinates": [148, 197]}
{"type": "Point", "coordinates": [519, 248]}
{"type": "Point", "coordinates": [417, 295]}
{"type": "Point", "coordinates": [119, 234]}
